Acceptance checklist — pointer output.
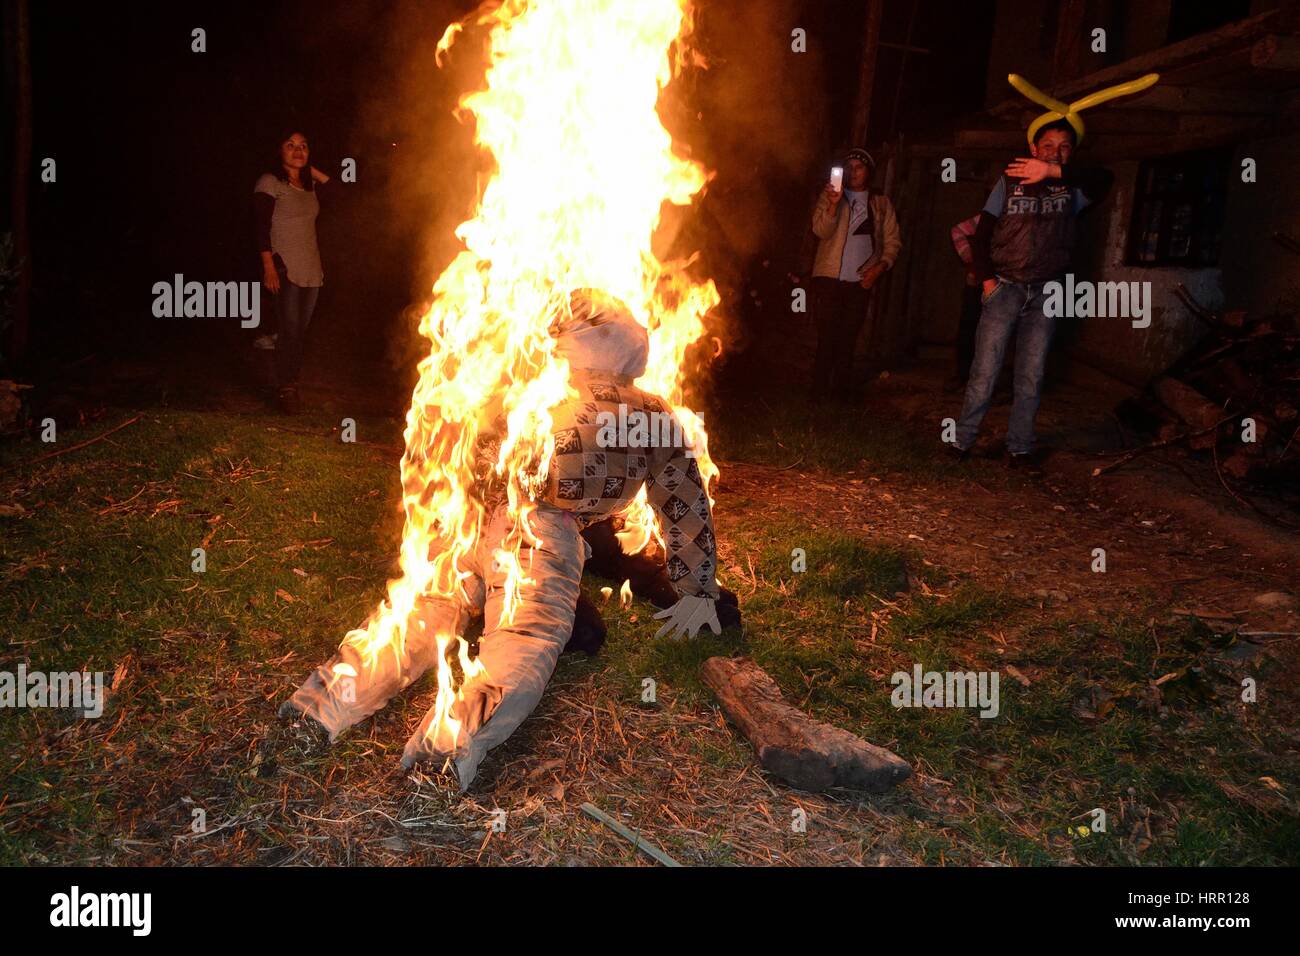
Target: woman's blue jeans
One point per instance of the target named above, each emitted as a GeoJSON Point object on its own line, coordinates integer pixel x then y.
{"type": "Point", "coordinates": [1013, 307]}
{"type": "Point", "coordinates": [295, 305]}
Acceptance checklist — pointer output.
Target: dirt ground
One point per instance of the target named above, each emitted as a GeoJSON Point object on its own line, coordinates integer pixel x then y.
{"type": "Point", "coordinates": [1168, 528]}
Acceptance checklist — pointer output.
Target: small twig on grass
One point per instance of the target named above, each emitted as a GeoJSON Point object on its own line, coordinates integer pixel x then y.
{"type": "Point", "coordinates": [239, 565]}
{"type": "Point", "coordinates": [121, 504]}
{"type": "Point", "coordinates": [82, 444]}
{"type": "Point", "coordinates": [883, 601]}
{"type": "Point", "coordinates": [638, 842]}
{"type": "Point", "coordinates": [238, 821]}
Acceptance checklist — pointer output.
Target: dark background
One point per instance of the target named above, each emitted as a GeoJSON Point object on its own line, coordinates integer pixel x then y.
{"type": "Point", "coordinates": [158, 147]}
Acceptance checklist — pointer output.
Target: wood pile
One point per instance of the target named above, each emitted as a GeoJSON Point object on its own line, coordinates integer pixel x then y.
{"type": "Point", "coordinates": [1235, 395]}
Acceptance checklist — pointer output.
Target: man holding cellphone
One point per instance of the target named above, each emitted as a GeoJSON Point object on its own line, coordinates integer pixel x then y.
{"type": "Point", "coordinates": [859, 242]}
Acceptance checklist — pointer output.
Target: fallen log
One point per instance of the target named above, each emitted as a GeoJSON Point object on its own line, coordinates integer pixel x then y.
{"type": "Point", "coordinates": [1189, 405]}
{"type": "Point", "coordinates": [805, 753]}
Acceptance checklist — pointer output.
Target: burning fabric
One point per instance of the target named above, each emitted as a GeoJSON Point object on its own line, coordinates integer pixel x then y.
{"type": "Point", "coordinates": [588, 479]}
{"type": "Point", "coordinates": [504, 459]}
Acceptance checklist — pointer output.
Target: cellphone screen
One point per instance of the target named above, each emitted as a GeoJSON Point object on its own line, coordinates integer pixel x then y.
{"type": "Point", "coordinates": [837, 177]}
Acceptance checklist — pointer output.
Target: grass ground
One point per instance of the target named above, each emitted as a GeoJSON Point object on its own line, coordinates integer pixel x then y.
{"type": "Point", "coordinates": [1121, 705]}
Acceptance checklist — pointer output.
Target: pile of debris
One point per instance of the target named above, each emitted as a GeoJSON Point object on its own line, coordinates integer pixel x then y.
{"type": "Point", "coordinates": [1235, 395]}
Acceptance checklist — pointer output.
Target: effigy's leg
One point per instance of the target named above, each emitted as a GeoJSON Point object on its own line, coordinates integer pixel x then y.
{"type": "Point", "coordinates": [518, 655]}
{"type": "Point", "coordinates": [354, 684]}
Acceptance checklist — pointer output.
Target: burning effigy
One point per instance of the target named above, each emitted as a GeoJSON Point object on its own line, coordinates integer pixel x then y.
{"type": "Point", "coordinates": [556, 320]}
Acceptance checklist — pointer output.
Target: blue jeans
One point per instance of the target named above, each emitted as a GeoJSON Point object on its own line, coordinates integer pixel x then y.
{"type": "Point", "coordinates": [295, 304]}
{"type": "Point", "coordinates": [1011, 307]}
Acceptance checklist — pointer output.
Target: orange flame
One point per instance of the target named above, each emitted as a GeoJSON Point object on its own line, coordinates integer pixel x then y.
{"type": "Point", "coordinates": [583, 165]}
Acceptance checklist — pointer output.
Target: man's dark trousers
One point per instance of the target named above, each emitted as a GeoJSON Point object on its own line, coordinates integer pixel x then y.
{"type": "Point", "coordinates": [839, 309]}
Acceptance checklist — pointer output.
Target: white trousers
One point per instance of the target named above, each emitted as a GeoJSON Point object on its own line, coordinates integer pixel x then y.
{"type": "Point", "coordinates": [518, 657]}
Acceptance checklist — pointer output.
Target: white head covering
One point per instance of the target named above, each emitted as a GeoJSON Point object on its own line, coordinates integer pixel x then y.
{"type": "Point", "coordinates": [601, 334]}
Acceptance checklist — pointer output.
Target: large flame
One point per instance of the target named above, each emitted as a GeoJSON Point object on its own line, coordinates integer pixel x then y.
{"type": "Point", "coordinates": [583, 166]}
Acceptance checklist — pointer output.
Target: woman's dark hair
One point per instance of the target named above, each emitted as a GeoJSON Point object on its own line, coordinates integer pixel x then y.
{"type": "Point", "coordinates": [276, 168]}
{"type": "Point", "coordinates": [1060, 125]}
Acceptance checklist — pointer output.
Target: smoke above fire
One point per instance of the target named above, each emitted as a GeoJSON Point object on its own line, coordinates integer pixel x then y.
{"type": "Point", "coordinates": [755, 116]}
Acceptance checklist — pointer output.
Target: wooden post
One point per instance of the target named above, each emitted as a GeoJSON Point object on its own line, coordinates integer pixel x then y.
{"type": "Point", "coordinates": [867, 74]}
{"type": "Point", "coordinates": [19, 25]}
{"type": "Point", "coordinates": [1069, 42]}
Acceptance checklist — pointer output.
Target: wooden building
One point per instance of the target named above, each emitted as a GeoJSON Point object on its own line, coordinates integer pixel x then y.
{"type": "Point", "coordinates": [1184, 209]}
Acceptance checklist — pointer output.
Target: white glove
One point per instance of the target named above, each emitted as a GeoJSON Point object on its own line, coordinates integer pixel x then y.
{"type": "Point", "coordinates": [688, 615]}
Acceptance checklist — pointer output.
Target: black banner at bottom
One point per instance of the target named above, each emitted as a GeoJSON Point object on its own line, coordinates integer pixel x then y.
{"type": "Point", "coordinates": [203, 907]}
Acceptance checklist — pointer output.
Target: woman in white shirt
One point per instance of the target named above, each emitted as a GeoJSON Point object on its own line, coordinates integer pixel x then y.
{"type": "Point", "coordinates": [286, 206]}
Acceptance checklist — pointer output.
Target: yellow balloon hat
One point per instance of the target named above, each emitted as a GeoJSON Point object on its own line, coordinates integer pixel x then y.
{"type": "Point", "coordinates": [1056, 110]}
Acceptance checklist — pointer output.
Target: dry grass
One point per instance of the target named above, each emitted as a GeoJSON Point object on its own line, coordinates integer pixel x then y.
{"type": "Point", "coordinates": [95, 574]}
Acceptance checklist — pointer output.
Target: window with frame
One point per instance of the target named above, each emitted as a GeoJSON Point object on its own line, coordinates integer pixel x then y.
{"type": "Point", "coordinates": [1178, 207]}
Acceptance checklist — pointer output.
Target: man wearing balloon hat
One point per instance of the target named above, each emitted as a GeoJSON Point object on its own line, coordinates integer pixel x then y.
{"type": "Point", "coordinates": [1024, 240]}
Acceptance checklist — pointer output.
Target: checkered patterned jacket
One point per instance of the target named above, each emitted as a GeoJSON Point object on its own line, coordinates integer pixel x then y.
{"type": "Point", "coordinates": [593, 478]}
